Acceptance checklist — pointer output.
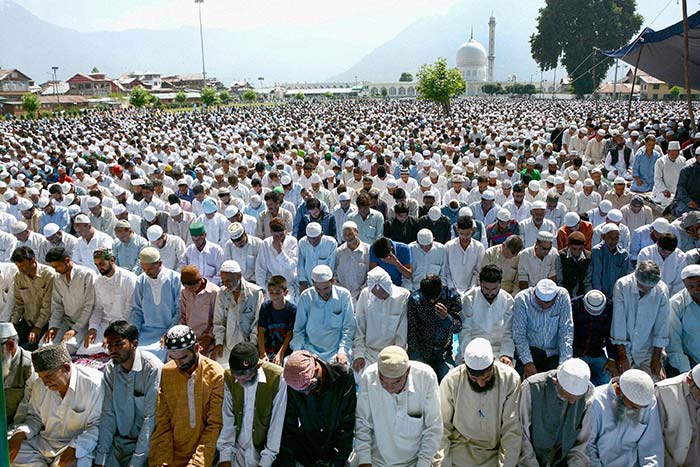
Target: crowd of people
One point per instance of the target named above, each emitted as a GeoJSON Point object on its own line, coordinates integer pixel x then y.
{"type": "Point", "coordinates": [360, 282]}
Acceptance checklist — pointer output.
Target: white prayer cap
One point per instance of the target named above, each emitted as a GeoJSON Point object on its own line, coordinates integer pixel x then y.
{"type": "Point", "coordinates": [465, 211]}
{"type": "Point", "coordinates": [534, 185]}
{"type": "Point", "coordinates": [692, 270]}
{"type": "Point", "coordinates": [637, 386]}
{"type": "Point", "coordinates": [82, 219]}
{"type": "Point", "coordinates": [573, 175]}
{"type": "Point", "coordinates": [558, 180]}
{"type": "Point", "coordinates": [380, 277]}
{"type": "Point", "coordinates": [424, 237]}
{"type": "Point", "coordinates": [510, 166]}
{"type": "Point", "coordinates": [434, 213]}
{"type": "Point", "coordinates": [285, 180]}
{"type": "Point", "coordinates": [122, 224]}
{"type": "Point", "coordinates": [545, 236]}
{"type": "Point", "coordinates": [8, 329]}
{"type": "Point", "coordinates": [230, 266]}
{"type": "Point", "coordinates": [321, 273]}
{"type": "Point", "coordinates": [571, 219]}
{"type": "Point", "coordinates": [695, 374]}
{"type": "Point", "coordinates": [503, 215]}
{"type": "Point", "coordinates": [605, 206]}
{"type": "Point", "coordinates": [138, 182]}
{"type": "Point", "coordinates": [594, 302]}
{"type": "Point", "coordinates": [349, 225]}
{"type": "Point", "coordinates": [93, 202]}
{"type": "Point", "coordinates": [660, 225]}
{"type": "Point", "coordinates": [493, 174]}
{"type": "Point", "coordinates": [118, 191]}
{"type": "Point", "coordinates": [149, 213]}
{"type": "Point", "coordinates": [313, 230]}
{"type": "Point", "coordinates": [235, 231]}
{"type": "Point", "coordinates": [609, 227]}
{"type": "Point", "coordinates": [488, 195]}
{"type": "Point", "coordinates": [9, 194]}
{"type": "Point", "coordinates": [615, 215]}
{"type": "Point", "coordinates": [149, 255]}
{"type": "Point", "coordinates": [344, 196]}
{"type": "Point", "coordinates": [154, 232]}
{"type": "Point", "coordinates": [539, 204]}
{"type": "Point", "coordinates": [231, 211]}
{"type": "Point", "coordinates": [51, 229]}
{"type": "Point", "coordinates": [425, 183]}
{"type": "Point", "coordinates": [674, 146]}
{"type": "Point", "coordinates": [391, 183]}
{"type": "Point", "coordinates": [619, 180]}
{"type": "Point", "coordinates": [546, 290]}
{"type": "Point", "coordinates": [43, 202]}
{"type": "Point", "coordinates": [600, 132]}
{"type": "Point", "coordinates": [588, 182]}
{"type": "Point", "coordinates": [478, 355]}
{"type": "Point", "coordinates": [174, 210]}
{"type": "Point", "coordinates": [574, 376]}
{"type": "Point", "coordinates": [315, 178]}
{"type": "Point", "coordinates": [119, 209]}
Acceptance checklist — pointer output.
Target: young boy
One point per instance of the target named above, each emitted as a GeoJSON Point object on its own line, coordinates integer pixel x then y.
{"type": "Point", "coordinates": [276, 322]}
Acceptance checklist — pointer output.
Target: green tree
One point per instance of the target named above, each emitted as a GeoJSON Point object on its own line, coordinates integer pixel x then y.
{"type": "Point", "coordinates": [406, 77]}
{"type": "Point", "coordinates": [675, 92]}
{"type": "Point", "coordinates": [30, 103]}
{"type": "Point", "coordinates": [154, 101]}
{"type": "Point", "coordinates": [492, 89]}
{"type": "Point", "coordinates": [181, 98]}
{"type": "Point", "coordinates": [572, 28]}
{"type": "Point", "coordinates": [439, 84]}
{"type": "Point", "coordinates": [384, 92]}
{"type": "Point", "coordinates": [139, 97]}
{"type": "Point", "coordinates": [209, 96]}
{"type": "Point", "coordinates": [250, 95]}
{"type": "Point", "coordinates": [94, 70]}
{"type": "Point", "coordinates": [224, 97]}
{"type": "Point", "coordinates": [299, 96]}
{"type": "Point", "coordinates": [328, 95]}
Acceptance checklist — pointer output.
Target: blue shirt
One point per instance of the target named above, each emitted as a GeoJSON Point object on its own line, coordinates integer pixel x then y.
{"type": "Point", "coordinates": [59, 217]}
{"type": "Point", "coordinates": [402, 252]}
{"type": "Point", "coordinates": [607, 267]}
{"type": "Point", "coordinates": [324, 328]}
{"type": "Point", "coordinates": [641, 237]}
{"type": "Point", "coordinates": [551, 330]}
{"type": "Point", "coordinates": [310, 256]}
{"type": "Point", "coordinates": [126, 255]}
{"type": "Point", "coordinates": [643, 167]}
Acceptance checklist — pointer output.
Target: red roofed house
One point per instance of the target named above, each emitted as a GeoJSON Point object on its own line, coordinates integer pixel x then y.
{"type": "Point", "coordinates": [93, 84]}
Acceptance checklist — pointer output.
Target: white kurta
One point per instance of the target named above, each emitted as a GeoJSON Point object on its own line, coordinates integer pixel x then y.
{"type": "Point", "coordinates": [671, 267]}
{"type": "Point", "coordinates": [462, 264]}
{"type": "Point", "coordinates": [380, 323]}
{"type": "Point", "coordinates": [82, 254]}
{"type": "Point", "coordinates": [398, 430]}
{"type": "Point", "coordinates": [492, 321]}
{"type": "Point", "coordinates": [270, 263]}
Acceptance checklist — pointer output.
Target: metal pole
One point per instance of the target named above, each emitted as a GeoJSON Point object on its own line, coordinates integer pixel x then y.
{"type": "Point", "coordinates": [595, 86]}
{"type": "Point", "coordinates": [686, 66]}
{"type": "Point", "coordinates": [4, 446]}
{"type": "Point", "coordinates": [554, 80]}
{"type": "Point", "coordinates": [634, 79]}
{"type": "Point", "coordinates": [201, 41]}
{"type": "Point", "coordinates": [617, 61]}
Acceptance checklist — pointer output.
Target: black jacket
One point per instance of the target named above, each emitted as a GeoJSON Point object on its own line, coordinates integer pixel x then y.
{"type": "Point", "coordinates": [320, 427]}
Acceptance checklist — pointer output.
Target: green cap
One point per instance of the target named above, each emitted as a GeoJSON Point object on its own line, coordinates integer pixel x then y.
{"type": "Point", "coordinates": [278, 189]}
{"type": "Point", "coordinates": [197, 228]}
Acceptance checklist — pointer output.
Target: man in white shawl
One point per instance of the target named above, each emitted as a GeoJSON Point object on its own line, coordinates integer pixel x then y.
{"type": "Point", "coordinates": [381, 318]}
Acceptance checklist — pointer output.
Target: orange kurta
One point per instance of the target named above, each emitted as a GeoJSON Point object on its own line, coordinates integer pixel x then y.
{"type": "Point", "coordinates": [175, 441]}
{"type": "Point", "coordinates": [586, 228]}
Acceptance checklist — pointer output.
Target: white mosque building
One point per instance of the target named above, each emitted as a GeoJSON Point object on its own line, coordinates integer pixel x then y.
{"type": "Point", "coordinates": [474, 63]}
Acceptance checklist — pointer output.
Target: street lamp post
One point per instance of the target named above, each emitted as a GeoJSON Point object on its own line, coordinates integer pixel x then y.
{"type": "Point", "coordinates": [201, 41]}
{"type": "Point", "coordinates": [55, 85]}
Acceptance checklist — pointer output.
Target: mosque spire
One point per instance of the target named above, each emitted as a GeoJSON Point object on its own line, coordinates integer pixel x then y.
{"type": "Point", "coordinates": [471, 34]}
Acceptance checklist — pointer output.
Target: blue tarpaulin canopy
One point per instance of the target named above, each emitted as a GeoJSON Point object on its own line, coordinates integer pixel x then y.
{"type": "Point", "coordinates": [662, 53]}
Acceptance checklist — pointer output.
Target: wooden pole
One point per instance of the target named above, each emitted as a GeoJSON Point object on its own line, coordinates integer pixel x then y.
{"type": "Point", "coordinates": [634, 79]}
{"type": "Point", "coordinates": [686, 66]}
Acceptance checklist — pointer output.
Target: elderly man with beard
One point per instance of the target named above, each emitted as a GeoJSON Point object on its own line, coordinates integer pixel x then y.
{"type": "Point", "coordinates": [114, 291]}
{"type": "Point", "coordinates": [352, 261]}
{"type": "Point", "coordinates": [398, 420]}
{"type": "Point", "coordinates": [381, 319]}
{"type": "Point", "coordinates": [640, 324]}
{"type": "Point", "coordinates": [624, 423]}
{"type": "Point", "coordinates": [255, 401]}
{"type": "Point", "coordinates": [487, 311]}
{"type": "Point", "coordinates": [189, 408]}
{"type": "Point", "coordinates": [17, 371]}
{"type": "Point", "coordinates": [243, 249]}
{"type": "Point", "coordinates": [131, 383]}
{"type": "Point", "coordinates": [63, 413]}
{"type": "Point", "coordinates": [479, 402]}
{"type": "Point", "coordinates": [236, 311]}
{"type": "Point", "coordinates": [59, 238]}
{"type": "Point", "coordinates": [320, 416]}
{"type": "Point", "coordinates": [684, 347]}
{"type": "Point", "coordinates": [553, 408]}
{"type": "Point", "coordinates": [206, 255]}
{"type": "Point", "coordinates": [679, 413]}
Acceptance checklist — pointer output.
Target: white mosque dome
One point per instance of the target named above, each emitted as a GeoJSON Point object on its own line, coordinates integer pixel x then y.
{"type": "Point", "coordinates": [471, 54]}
